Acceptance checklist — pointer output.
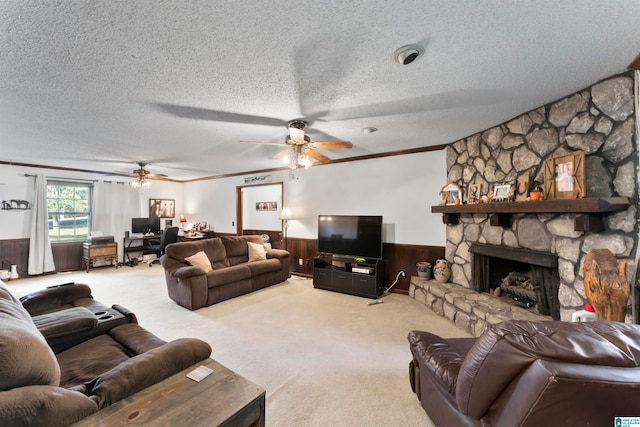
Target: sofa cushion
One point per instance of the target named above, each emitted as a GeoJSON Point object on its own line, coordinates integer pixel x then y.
{"type": "Point", "coordinates": [263, 266]}
{"type": "Point", "coordinates": [256, 251]}
{"type": "Point", "coordinates": [228, 275]}
{"type": "Point", "coordinates": [200, 260]}
{"type": "Point", "coordinates": [25, 357]}
{"type": "Point", "coordinates": [65, 322]}
{"type": "Point", "coordinates": [505, 350]}
{"type": "Point", "coordinates": [237, 248]}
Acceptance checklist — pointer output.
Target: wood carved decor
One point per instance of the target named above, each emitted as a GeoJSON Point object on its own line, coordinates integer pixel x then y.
{"type": "Point", "coordinates": [605, 284]}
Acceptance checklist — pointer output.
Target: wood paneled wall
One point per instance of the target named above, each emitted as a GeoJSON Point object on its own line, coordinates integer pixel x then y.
{"type": "Point", "coordinates": [68, 257]}
{"type": "Point", "coordinates": [397, 257]}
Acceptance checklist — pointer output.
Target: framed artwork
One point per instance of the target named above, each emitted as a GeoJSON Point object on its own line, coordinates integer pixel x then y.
{"type": "Point", "coordinates": [450, 193]}
{"type": "Point", "coordinates": [564, 176]}
{"type": "Point", "coordinates": [523, 183]}
{"type": "Point", "coordinates": [162, 208]}
{"type": "Point", "coordinates": [502, 192]}
{"type": "Point", "coordinates": [266, 206]}
{"type": "Point", "coordinates": [474, 193]}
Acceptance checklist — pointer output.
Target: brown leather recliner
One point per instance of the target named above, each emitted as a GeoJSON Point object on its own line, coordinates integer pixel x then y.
{"type": "Point", "coordinates": [522, 373]}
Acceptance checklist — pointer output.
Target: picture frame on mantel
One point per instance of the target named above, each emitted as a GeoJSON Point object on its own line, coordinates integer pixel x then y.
{"type": "Point", "coordinates": [564, 176]}
{"type": "Point", "coordinates": [450, 193]}
{"type": "Point", "coordinates": [474, 193]}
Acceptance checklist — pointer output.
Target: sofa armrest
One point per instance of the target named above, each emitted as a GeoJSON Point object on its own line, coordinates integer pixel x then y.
{"type": "Point", "coordinates": [42, 404]}
{"type": "Point", "coordinates": [47, 299]}
{"type": "Point", "coordinates": [146, 369]}
{"type": "Point", "coordinates": [178, 269]}
{"type": "Point", "coordinates": [438, 356]}
{"type": "Point", "coordinates": [277, 253]}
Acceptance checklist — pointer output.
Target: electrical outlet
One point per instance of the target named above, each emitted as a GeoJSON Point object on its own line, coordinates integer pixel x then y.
{"type": "Point", "coordinates": [300, 261]}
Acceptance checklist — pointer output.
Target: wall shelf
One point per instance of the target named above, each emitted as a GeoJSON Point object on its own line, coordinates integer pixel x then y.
{"type": "Point", "coordinates": [592, 208]}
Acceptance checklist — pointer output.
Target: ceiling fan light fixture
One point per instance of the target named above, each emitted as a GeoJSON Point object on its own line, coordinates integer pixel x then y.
{"type": "Point", "coordinates": [140, 182]}
{"type": "Point", "coordinates": [406, 54]}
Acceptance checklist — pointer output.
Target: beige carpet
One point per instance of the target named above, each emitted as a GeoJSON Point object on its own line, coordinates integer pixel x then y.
{"type": "Point", "coordinates": [324, 358]}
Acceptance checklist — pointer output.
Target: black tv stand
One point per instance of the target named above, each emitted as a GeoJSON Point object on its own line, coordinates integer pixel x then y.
{"type": "Point", "coordinates": [351, 275]}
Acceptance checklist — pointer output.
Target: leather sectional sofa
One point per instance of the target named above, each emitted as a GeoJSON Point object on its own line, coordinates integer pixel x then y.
{"type": "Point", "coordinates": [231, 270]}
{"type": "Point", "coordinates": [522, 373]}
{"type": "Point", "coordinates": [40, 387]}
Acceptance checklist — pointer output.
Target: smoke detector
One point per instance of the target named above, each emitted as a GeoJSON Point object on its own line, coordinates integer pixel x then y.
{"type": "Point", "coordinates": [406, 54]}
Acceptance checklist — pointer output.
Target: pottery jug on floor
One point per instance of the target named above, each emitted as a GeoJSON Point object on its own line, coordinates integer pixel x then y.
{"type": "Point", "coordinates": [442, 271]}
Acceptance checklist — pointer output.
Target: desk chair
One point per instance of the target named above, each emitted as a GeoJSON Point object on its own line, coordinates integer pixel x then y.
{"type": "Point", "coordinates": [170, 235]}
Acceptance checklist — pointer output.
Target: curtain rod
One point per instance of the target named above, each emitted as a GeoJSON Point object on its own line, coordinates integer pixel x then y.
{"type": "Point", "coordinates": [73, 179]}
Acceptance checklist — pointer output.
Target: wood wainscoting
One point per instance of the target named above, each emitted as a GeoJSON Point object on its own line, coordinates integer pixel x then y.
{"type": "Point", "coordinates": [67, 256]}
{"type": "Point", "coordinates": [397, 257]}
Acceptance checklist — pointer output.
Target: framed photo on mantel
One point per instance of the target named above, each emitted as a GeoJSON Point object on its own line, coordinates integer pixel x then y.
{"type": "Point", "coordinates": [564, 176]}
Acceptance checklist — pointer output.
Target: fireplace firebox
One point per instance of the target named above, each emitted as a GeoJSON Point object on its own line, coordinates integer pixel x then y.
{"type": "Point", "coordinates": [492, 264]}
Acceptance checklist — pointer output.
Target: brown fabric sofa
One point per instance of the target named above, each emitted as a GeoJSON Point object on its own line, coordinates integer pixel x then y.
{"type": "Point", "coordinates": [38, 387]}
{"type": "Point", "coordinates": [522, 373]}
{"type": "Point", "coordinates": [67, 314]}
{"type": "Point", "coordinates": [232, 274]}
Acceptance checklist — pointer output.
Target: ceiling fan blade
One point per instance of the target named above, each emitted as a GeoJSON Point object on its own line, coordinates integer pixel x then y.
{"type": "Point", "coordinates": [282, 144]}
{"type": "Point", "coordinates": [317, 155]}
{"type": "Point", "coordinates": [281, 154]}
{"type": "Point", "coordinates": [216, 115]}
{"type": "Point", "coordinates": [332, 144]}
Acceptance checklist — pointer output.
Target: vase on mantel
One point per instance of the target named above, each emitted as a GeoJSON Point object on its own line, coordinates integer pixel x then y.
{"type": "Point", "coordinates": [14, 272]}
{"type": "Point", "coordinates": [424, 269]}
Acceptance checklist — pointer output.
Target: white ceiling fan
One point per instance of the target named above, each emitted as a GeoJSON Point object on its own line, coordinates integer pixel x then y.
{"type": "Point", "coordinates": [300, 150]}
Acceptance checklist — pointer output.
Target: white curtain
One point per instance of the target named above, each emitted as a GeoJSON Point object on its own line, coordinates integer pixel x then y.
{"type": "Point", "coordinates": [40, 253]}
{"type": "Point", "coordinates": [112, 204]}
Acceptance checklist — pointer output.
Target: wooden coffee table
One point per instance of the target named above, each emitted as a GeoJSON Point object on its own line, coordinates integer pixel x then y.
{"type": "Point", "coordinates": [224, 398]}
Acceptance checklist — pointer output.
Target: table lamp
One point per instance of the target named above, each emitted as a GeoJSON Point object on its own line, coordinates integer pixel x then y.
{"type": "Point", "coordinates": [182, 221]}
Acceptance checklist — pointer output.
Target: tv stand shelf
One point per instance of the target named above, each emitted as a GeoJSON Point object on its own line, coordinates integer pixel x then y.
{"type": "Point", "coordinates": [336, 273]}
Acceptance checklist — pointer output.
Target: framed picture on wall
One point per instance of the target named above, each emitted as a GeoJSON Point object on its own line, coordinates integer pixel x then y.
{"type": "Point", "coordinates": [162, 208]}
{"type": "Point", "coordinates": [266, 206]}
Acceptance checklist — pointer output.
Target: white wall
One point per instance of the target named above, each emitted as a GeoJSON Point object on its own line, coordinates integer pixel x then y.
{"type": "Point", "coordinates": [253, 219]}
{"type": "Point", "coordinates": [400, 188]}
{"type": "Point", "coordinates": [14, 224]}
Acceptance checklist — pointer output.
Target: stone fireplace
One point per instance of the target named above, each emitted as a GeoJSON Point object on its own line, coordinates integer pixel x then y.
{"type": "Point", "coordinates": [598, 120]}
{"type": "Point", "coordinates": [537, 290]}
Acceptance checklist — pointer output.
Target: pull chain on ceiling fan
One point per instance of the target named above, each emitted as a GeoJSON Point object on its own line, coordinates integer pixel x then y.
{"type": "Point", "coordinates": [300, 150]}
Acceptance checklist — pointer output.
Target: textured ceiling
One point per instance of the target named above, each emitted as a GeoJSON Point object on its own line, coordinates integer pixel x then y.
{"type": "Point", "coordinates": [100, 85]}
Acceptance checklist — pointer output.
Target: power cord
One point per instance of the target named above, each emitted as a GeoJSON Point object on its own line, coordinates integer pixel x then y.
{"type": "Point", "coordinates": [400, 273]}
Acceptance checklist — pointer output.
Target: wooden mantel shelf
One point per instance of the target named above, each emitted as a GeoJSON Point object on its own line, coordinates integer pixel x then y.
{"type": "Point", "coordinates": [592, 207]}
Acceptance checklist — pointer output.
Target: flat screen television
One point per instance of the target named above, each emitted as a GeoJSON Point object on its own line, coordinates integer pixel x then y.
{"type": "Point", "coordinates": [143, 225]}
{"type": "Point", "coordinates": [359, 236]}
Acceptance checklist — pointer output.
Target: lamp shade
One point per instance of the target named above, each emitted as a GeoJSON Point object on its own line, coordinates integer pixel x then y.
{"type": "Point", "coordinates": [286, 214]}
{"type": "Point", "coordinates": [182, 218]}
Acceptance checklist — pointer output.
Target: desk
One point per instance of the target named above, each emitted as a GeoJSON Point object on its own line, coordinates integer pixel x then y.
{"type": "Point", "coordinates": [222, 398]}
{"type": "Point", "coordinates": [142, 244]}
{"type": "Point", "coordinates": [195, 238]}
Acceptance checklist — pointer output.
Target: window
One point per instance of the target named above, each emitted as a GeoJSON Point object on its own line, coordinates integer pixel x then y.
{"type": "Point", "coordinates": [69, 208]}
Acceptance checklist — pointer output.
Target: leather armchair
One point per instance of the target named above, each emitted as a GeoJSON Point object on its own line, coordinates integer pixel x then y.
{"type": "Point", "coordinates": [522, 373]}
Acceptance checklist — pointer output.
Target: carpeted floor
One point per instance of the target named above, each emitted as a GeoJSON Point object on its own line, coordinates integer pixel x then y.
{"type": "Point", "coordinates": [324, 358]}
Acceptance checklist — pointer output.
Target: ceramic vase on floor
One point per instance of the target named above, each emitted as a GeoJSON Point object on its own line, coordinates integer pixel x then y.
{"type": "Point", "coordinates": [14, 272]}
{"type": "Point", "coordinates": [442, 271]}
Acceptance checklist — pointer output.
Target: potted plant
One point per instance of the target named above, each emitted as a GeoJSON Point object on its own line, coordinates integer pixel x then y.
{"type": "Point", "coordinates": [536, 191]}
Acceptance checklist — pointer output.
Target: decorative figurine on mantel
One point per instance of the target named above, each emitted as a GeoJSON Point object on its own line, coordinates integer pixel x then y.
{"type": "Point", "coordinates": [606, 285]}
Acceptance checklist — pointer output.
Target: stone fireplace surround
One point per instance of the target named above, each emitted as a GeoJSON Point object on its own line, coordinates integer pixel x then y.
{"type": "Point", "coordinates": [598, 120]}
